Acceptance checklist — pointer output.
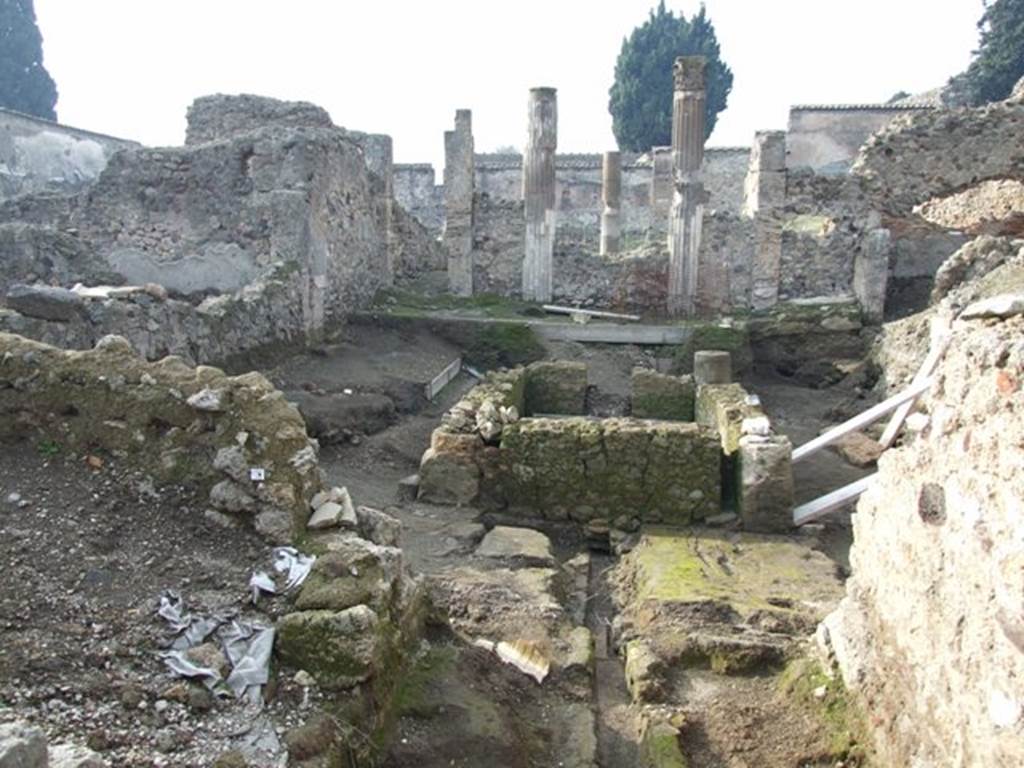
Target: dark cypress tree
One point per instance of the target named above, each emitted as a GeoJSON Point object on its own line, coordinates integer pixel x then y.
{"type": "Point", "coordinates": [999, 61]}
{"type": "Point", "coordinates": [641, 95]}
{"type": "Point", "coordinates": [25, 85]}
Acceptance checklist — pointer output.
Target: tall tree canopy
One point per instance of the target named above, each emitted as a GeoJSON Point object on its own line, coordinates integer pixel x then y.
{"type": "Point", "coordinates": [641, 96]}
{"type": "Point", "coordinates": [999, 61]}
{"type": "Point", "coordinates": [25, 85]}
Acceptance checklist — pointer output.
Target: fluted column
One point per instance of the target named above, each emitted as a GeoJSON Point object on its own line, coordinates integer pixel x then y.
{"type": "Point", "coordinates": [539, 194]}
{"type": "Point", "coordinates": [611, 196]}
{"type": "Point", "coordinates": [687, 213]}
{"type": "Point", "coordinates": [458, 203]}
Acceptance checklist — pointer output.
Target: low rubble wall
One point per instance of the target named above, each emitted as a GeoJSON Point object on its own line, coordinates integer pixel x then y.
{"type": "Point", "coordinates": [667, 469]}
{"type": "Point", "coordinates": [189, 426]}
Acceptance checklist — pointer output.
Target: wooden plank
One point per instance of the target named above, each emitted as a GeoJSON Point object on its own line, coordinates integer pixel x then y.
{"type": "Point", "coordinates": [439, 382]}
{"type": "Point", "coordinates": [861, 420]}
{"type": "Point", "coordinates": [940, 341]}
{"type": "Point", "coordinates": [608, 333]}
{"type": "Point", "coordinates": [589, 312]}
{"type": "Point", "coordinates": [830, 502]}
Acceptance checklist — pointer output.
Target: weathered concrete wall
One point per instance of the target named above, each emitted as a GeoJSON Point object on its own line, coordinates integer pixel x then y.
{"type": "Point", "coordinates": [40, 156]}
{"type": "Point", "coordinates": [826, 139]}
{"type": "Point", "coordinates": [931, 635]}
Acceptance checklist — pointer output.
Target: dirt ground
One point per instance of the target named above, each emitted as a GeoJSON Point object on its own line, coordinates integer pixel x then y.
{"type": "Point", "coordinates": [87, 553]}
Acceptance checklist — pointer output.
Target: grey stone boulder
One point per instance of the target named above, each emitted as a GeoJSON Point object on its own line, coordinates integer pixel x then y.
{"type": "Point", "coordinates": [45, 302]}
{"type": "Point", "coordinates": [22, 746]}
{"type": "Point", "coordinates": [1004, 306]}
{"type": "Point", "coordinates": [448, 478]}
{"type": "Point", "coordinates": [229, 496]}
{"type": "Point", "coordinates": [333, 509]}
{"type": "Point", "coordinates": [70, 756]}
{"type": "Point", "coordinates": [518, 545]}
{"type": "Point", "coordinates": [378, 527]}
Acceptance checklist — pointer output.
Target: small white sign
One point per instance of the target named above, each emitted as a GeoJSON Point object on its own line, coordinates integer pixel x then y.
{"type": "Point", "coordinates": [257, 474]}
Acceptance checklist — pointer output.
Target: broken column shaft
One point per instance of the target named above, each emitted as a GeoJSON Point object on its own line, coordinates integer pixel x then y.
{"type": "Point", "coordinates": [539, 194]}
{"type": "Point", "coordinates": [685, 218]}
{"type": "Point", "coordinates": [611, 196]}
{"type": "Point", "coordinates": [458, 203]}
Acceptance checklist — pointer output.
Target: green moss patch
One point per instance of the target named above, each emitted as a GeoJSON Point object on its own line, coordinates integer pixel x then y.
{"type": "Point", "coordinates": [828, 701]}
{"type": "Point", "coordinates": [749, 573]}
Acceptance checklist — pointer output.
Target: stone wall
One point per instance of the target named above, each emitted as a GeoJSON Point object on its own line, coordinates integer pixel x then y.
{"type": "Point", "coordinates": [194, 427]}
{"type": "Point", "coordinates": [826, 139]}
{"type": "Point", "coordinates": [578, 194]}
{"type": "Point", "coordinates": [417, 191]}
{"type": "Point", "coordinates": [930, 636]}
{"type": "Point", "coordinates": [571, 467]}
{"type": "Point", "coordinates": [41, 156]}
{"type": "Point", "coordinates": [933, 154]}
{"type": "Point", "coordinates": [221, 116]}
{"type": "Point", "coordinates": [269, 225]}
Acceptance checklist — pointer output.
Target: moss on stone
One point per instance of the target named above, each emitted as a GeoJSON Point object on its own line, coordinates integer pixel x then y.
{"type": "Point", "coordinates": [659, 747]}
{"type": "Point", "coordinates": [413, 693]}
{"type": "Point", "coordinates": [502, 345]}
{"type": "Point", "coordinates": [658, 471]}
{"type": "Point", "coordinates": [751, 573]}
{"type": "Point", "coordinates": [397, 301]}
{"type": "Point", "coordinates": [659, 396]}
{"type": "Point", "coordinates": [556, 387]}
{"type": "Point", "coordinates": [338, 648]}
{"type": "Point", "coordinates": [734, 339]}
{"type": "Point", "coordinates": [803, 680]}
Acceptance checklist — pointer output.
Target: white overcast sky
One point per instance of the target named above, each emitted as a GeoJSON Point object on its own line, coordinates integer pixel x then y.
{"type": "Point", "coordinates": [131, 67]}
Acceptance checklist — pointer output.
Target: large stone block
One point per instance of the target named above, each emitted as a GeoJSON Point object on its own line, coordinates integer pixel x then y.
{"type": "Point", "coordinates": [659, 396]}
{"type": "Point", "coordinates": [556, 388]}
{"type": "Point", "coordinates": [448, 478]}
{"type": "Point", "coordinates": [339, 648]}
{"type": "Point", "coordinates": [352, 572]}
{"type": "Point", "coordinates": [765, 483]}
{"type": "Point", "coordinates": [723, 408]}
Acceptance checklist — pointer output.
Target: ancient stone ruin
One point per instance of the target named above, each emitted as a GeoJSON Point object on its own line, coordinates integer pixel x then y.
{"type": "Point", "coordinates": [702, 456]}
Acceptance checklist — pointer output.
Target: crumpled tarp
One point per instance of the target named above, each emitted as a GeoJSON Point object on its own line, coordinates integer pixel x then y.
{"type": "Point", "coordinates": [246, 645]}
{"type": "Point", "coordinates": [289, 561]}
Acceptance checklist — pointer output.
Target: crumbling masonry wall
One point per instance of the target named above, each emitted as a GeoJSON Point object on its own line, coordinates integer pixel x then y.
{"type": "Point", "coordinates": [568, 467]}
{"type": "Point", "coordinates": [269, 225]}
{"type": "Point", "coordinates": [188, 426]}
{"type": "Point", "coordinates": [930, 635]}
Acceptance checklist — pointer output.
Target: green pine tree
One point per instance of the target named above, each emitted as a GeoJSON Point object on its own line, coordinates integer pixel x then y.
{"type": "Point", "coordinates": [25, 85]}
{"type": "Point", "coordinates": [999, 61]}
{"type": "Point", "coordinates": [641, 96]}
